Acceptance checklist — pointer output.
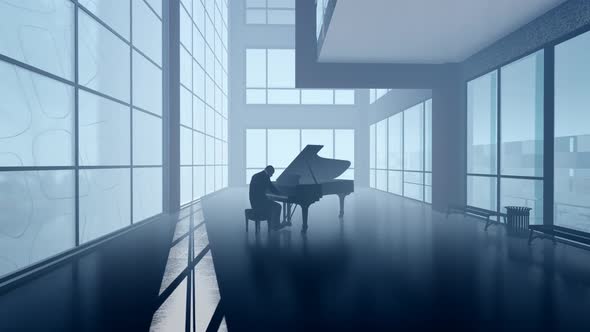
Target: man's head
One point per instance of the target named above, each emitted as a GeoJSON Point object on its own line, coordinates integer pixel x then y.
{"type": "Point", "coordinates": [269, 170]}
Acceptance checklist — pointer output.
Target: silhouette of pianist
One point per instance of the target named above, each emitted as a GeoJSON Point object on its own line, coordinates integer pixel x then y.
{"type": "Point", "coordinates": [260, 184]}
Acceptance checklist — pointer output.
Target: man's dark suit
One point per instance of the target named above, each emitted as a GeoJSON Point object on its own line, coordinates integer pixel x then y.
{"type": "Point", "coordinates": [260, 184]}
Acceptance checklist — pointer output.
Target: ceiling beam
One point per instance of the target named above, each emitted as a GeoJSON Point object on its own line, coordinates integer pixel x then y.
{"type": "Point", "coordinates": [313, 74]}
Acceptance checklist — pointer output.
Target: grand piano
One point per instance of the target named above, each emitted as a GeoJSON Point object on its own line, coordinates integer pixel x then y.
{"type": "Point", "coordinates": [307, 179]}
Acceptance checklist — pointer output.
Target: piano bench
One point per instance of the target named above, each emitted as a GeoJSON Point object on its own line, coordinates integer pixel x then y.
{"type": "Point", "coordinates": [250, 214]}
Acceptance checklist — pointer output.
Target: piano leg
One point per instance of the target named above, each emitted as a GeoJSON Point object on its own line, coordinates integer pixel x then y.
{"type": "Point", "coordinates": [341, 198]}
{"type": "Point", "coordinates": [304, 210]}
{"type": "Point", "coordinates": [284, 210]}
{"type": "Point", "coordinates": [289, 205]}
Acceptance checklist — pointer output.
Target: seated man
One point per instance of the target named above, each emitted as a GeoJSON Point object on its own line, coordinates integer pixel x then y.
{"type": "Point", "coordinates": [260, 184]}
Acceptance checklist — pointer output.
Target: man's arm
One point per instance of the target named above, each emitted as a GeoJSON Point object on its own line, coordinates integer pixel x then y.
{"type": "Point", "coordinates": [272, 188]}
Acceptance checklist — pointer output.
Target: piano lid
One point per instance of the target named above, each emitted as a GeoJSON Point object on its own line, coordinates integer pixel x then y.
{"type": "Point", "coordinates": [310, 168]}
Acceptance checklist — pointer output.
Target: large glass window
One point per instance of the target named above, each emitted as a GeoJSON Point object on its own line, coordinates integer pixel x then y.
{"type": "Point", "coordinates": [278, 147]}
{"type": "Point", "coordinates": [270, 79]}
{"type": "Point", "coordinates": [204, 99]}
{"type": "Point", "coordinates": [270, 12]}
{"type": "Point", "coordinates": [401, 161]}
{"type": "Point", "coordinates": [482, 124]}
{"type": "Point", "coordinates": [505, 137]}
{"type": "Point", "coordinates": [376, 94]}
{"type": "Point", "coordinates": [572, 134]}
{"type": "Point", "coordinates": [49, 185]}
{"type": "Point", "coordinates": [40, 34]}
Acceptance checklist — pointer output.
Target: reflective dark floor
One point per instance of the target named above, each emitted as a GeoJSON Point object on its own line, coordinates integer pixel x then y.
{"type": "Point", "coordinates": [159, 277]}
{"type": "Point", "coordinates": [391, 264]}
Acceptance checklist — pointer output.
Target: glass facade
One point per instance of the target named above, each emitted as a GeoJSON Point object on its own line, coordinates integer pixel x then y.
{"type": "Point", "coordinates": [376, 94]}
{"type": "Point", "coordinates": [278, 147]}
{"type": "Point", "coordinates": [401, 153]}
{"type": "Point", "coordinates": [505, 137]}
{"type": "Point", "coordinates": [81, 126]}
{"type": "Point", "coordinates": [270, 79]}
{"type": "Point", "coordinates": [572, 134]}
{"type": "Point", "coordinates": [203, 98]}
{"type": "Point", "coordinates": [272, 12]}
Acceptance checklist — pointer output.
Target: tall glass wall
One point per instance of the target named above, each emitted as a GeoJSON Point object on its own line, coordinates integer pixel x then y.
{"type": "Point", "coordinates": [278, 147]}
{"type": "Point", "coordinates": [80, 123]}
{"type": "Point", "coordinates": [270, 79]}
{"type": "Point", "coordinates": [572, 134]}
{"type": "Point", "coordinates": [505, 137]}
{"type": "Point", "coordinates": [401, 153]}
{"type": "Point", "coordinates": [203, 98]}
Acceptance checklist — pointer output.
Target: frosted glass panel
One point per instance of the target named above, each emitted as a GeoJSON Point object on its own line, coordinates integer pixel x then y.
{"type": "Point", "coordinates": [522, 116]}
{"type": "Point", "coordinates": [37, 119]}
{"type": "Point", "coordinates": [198, 115]}
{"type": "Point", "coordinates": [255, 16]}
{"type": "Point", "coordinates": [186, 27]}
{"type": "Point", "coordinates": [209, 150]}
{"type": "Point", "coordinates": [283, 96]}
{"type": "Point", "coordinates": [281, 68]}
{"type": "Point", "coordinates": [103, 64]}
{"type": "Point", "coordinates": [381, 180]}
{"type": "Point", "coordinates": [198, 182]}
{"type": "Point", "coordinates": [37, 219]}
{"type": "Point", "coordinates": [256, 68]}
{"type": "Point", "coordinates": [186, 146]}
{"type": "Point", "coordinates": [105, 137]}
{"type": "Point", "coordinates": [344, 97]}
{"type": "Point", "coordinates": [482, 114]}
{"type": "Point", "coordinates": [156, 6]}
{"type": "Point", "coordinates": [414, 138]}
{"type": "Point", "coordinates": [381, 144]}
{"type": "Point", "coordinates": [482, 192]}
{"type": "Point", "coordinates": [283, 146]}
{"type": "Point", "coordinates": [105, 202]}
{"type": "Point", "coordinates": [395, 182]}
{"type": "Point", "coordinates": [39, 33]}
{"type": "Point", "coordinates": [344, 145]}
{"type": "Point", "coordinates": [218, 178]}
{"type": "Point", "coordinates": [147, 85]}
{"type": "Point", "coordinates": [572, 133]}
{"type": "Point", "coordinates": [414, 185]}
{"type": "Point", "coordinates": [209, 179]}
{"type": "Point", "coordinates": [210, 122]}
{"type": "Point", "coordinates": [115, 13]}
{"type": "Point", "coordinates": [281, 16]}
{"type": "Point", "coordinates": [147, 31]}
{"type": "Point", "coordinates": [186, 107]}
{"type": "Point", "coordinates": [147, 139]}
{"type": "Point", "coordinates": [147, 193]}
{"type": "Point", "coordinates": [186, 65]}
{"type": "Point", "coordinates": [372, 146]}
{"type": "Point", "coordinates": [428, 135]}
{"type": "Point", "coordinates": [186, 184]}
{"type": "Point", "coordinates": [198, 81]}
{"type": "Point", "coordinates": [198, 149]}
{"type": "Point", "coordinates": [317, 97]}
{"type": "Point", "coordinates": [395, 142]}
{"type": "Point", "coordinates": [198, 47]}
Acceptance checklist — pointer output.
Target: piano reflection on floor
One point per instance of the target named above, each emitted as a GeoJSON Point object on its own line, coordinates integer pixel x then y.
{"type": "Point", "coordinates": [307, 179]}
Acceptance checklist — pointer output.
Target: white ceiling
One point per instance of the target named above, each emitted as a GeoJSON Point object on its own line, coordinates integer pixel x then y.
{"type": "Point", "coordinates": [423, 31]}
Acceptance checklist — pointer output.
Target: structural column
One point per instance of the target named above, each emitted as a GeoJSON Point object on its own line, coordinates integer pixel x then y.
{"type": "Point", "coordinates": [171, 100]}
